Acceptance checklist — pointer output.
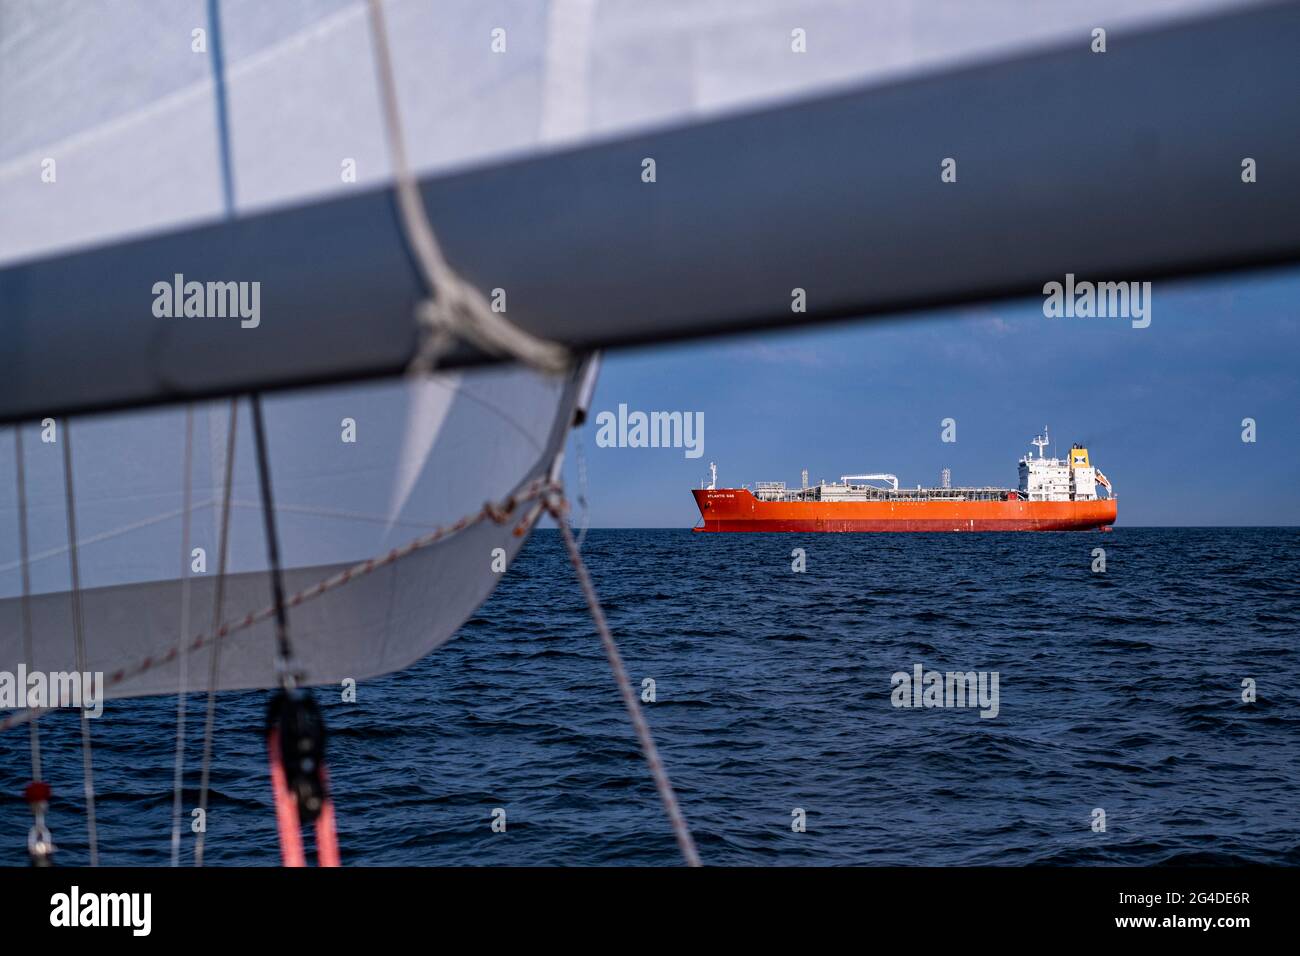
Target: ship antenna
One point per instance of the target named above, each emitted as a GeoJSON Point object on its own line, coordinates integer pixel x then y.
{"type": "Point", "coordinates": [713, 476]}
{"type": "Point", "coordinates": [1041, 441]}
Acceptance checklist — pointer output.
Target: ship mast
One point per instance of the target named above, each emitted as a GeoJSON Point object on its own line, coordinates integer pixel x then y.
{"type": "Point", "coordinates": [1042, 441]}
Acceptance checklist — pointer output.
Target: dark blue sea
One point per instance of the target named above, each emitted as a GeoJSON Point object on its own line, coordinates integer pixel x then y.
{"type": "Point", "coordinates": [1118, 691]}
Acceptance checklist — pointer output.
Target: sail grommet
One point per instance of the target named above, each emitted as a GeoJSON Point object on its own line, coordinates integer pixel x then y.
{"type": "Point", "coordinates": [40, 844]}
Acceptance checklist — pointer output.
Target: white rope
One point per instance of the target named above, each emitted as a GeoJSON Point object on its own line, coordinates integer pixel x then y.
{"type": "Point", "coordinates": [28, 650]}
{"type": "Point", "coordinates": [455, 309]}
{"type": "Point", "coordinates": [79, 640]}
{"type": "Point", "coordinates": [685, 842]}
{"type": "Point", "coordinates": [182, 691]}
{"type": "Point", "coordinates": [40, 845]}
{"type": "Point", "coordinates": [214, 655]}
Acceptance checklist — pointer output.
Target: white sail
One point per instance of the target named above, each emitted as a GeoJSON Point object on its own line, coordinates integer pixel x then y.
{"type": "Point", "coordinates": [500, 433]}
{"type": "Point", "coordinates": [135, 147]}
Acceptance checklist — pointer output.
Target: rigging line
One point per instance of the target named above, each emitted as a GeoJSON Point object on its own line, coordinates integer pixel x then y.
{"type": "Point", "coordinates": [223, 112]}
{"type": "Point", "coordinates": [685, 842]}
{"type": "Point", "coordinates": [214, 655]}
{"type": "Point", "coordinates": [182, 693]}
{"type": "Point", "coordinates": [284, 651]}
{"type": "Point", "coordinates": [79, 640]}
{"type": "Point", "coordinates": [456, 307]}
{"type": "Point", "coordinates": [295, 732]}
{"type": "Point", "coordinates": [40, 844]}
{"type": "Point", "coordinates": [28, 651]}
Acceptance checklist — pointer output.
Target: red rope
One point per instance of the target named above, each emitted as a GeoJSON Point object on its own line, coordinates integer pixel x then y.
{"type": "Point", "coordinates": [286, 807]}
{"type": "Point", "coordinates": [289, 824]}
{"type": "Point", "coordinates": [327, 840]}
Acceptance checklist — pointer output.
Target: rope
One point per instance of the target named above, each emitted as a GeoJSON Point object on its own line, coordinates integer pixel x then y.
{"type": "Point", "coordinates": [283, 649]}
{"type": "Point", "coordinates": [28, 651]}
{"type": "Point", "coordinates": [685, 842]}
{"type": "Point", "coordinates": [300, 788]}
{"type": "Point", "coordinates": [291, 711]}
{"type": "Point", "coordinates": [228, 201]}
{"type": "Point", "coordinates": [223, 113]}
{"type": "Point", "coordinates": [327, 838]}
{"type": "Point", "coordinates": [182, 693]}
{"type": "Point", "coordinates": [40, 844]}
{"type": "Point", "coordinates": [214, 657]}
{"type": "Point", "coordinates": [292, 852]}
{"type": "Point", "coordinates": [79, 639]}
{"type": "Point", "coordinates": [455, 307]}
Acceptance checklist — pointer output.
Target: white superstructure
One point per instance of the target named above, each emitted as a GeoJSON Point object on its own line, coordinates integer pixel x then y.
{"type": "Point", "coordinates": [1058, 479]}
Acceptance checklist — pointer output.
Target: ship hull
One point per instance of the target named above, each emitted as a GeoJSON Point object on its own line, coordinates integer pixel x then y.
{"type": "Point", "coordinates": [738, 510]}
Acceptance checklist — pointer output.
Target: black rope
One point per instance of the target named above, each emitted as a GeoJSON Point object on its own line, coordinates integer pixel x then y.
{"type": "Point", "coordinates": [294, 724]}
{"type": "Point", "coordinates": [272, 545]}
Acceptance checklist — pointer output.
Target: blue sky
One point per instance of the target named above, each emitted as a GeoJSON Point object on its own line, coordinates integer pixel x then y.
{"type": "Point", "coordinates": [1160, 408]}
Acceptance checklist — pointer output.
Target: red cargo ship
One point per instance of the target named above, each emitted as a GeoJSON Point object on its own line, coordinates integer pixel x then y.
{"type": "Point", "coordinates": [1054, 495]}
